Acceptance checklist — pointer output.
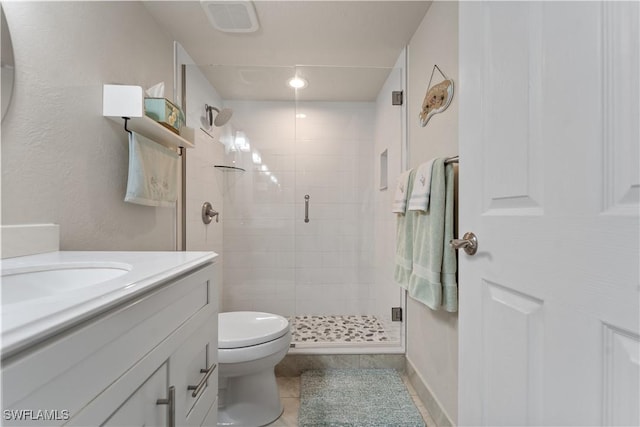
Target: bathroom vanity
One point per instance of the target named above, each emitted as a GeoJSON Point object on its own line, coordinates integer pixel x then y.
{"type": "Point", "coordinates": [139, 347]}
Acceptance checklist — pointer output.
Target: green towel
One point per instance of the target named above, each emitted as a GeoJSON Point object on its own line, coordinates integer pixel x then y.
{"type": "Point", "coordinates": [404, 242]}
{"type": "Point", "coordinates": [449, 262]}
{"type": "Point", "coordinates": [425, 283]}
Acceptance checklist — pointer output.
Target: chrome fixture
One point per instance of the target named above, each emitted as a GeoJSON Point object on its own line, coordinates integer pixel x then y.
{"type": "Point", "coordinates": [198, 388]}
{"type": "Point", "coordinates": [170, 401]}
{"type": "Point", "coordinates": [208, 213]}
{"type": "Point", "coordinates": [306, 208]}
{"type": "Point", "coordinates": [222, 117]}
{"type": "Point", "coordinates": [469, 243]}
{"type": "Point", "coordinates": [450, 160]}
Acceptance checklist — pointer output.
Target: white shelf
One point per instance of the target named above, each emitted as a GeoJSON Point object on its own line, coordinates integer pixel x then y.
{"type": "Point", "coordinates": [121, 101]}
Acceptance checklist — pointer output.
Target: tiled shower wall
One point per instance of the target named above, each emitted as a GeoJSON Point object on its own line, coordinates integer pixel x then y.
{"type": "Point", "coordinates": [274, 261]}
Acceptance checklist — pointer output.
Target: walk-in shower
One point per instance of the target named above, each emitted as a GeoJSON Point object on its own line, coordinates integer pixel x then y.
{"type": "Point", "coordinates": [308, 230]}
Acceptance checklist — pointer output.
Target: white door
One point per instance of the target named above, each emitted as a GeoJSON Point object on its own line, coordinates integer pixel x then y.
{"type": "Point", "coordinates": [549, 183]}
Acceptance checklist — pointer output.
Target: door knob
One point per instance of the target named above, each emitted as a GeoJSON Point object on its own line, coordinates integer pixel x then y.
{"type": "Point", "coordinates": [469, 243]}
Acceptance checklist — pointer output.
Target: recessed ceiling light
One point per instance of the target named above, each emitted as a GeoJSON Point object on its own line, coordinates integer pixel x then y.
{"type": "Point", "coordinates": [298, 82]}
{"type": "Point", "coordinates": [301, 116]}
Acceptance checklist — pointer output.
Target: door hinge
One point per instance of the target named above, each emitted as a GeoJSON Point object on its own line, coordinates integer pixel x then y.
{"type": "Point", "coordinates": [397, 97]}
{"type": "Point", "coordinates": [396, 314]}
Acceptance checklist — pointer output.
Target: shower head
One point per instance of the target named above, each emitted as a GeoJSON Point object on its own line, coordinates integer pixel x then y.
{"type": "Point", "coordinates": [222, 117]}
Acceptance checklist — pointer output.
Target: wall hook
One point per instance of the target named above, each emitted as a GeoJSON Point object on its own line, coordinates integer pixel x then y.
{"type": "Point", "coordinates": [126, 120]}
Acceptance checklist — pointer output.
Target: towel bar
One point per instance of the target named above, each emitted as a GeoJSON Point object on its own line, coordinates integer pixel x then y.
{"type": "Point", "coordinates": [450, 160]}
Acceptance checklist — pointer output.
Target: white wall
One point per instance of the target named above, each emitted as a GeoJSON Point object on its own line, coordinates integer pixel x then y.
{"type": "Point", "coordinates": [432, 336]}
{"type": "Point", "coordinates": [274, 260]}
{"type": "Point", "coordinates": [62, 162]}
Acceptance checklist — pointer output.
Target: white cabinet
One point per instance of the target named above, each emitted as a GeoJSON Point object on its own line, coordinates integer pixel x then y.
{"type": "Point", "coordinates": [114, 369]}
{"type": "Point", "coordinates": [195, 376]}
{"type": "Point", "coordinates": [141, 408]}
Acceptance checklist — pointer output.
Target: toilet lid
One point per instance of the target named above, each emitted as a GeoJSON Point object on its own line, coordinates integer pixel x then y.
{"type": "Point", "coordinates": [245, 328]}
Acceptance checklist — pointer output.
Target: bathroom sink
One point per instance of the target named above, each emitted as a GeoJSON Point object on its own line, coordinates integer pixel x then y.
{"type": "Point", "coordinates": [38, 281]}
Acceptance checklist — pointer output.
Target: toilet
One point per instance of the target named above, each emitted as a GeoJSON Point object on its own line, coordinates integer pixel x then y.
{"type": "Point", "coordinates": [250, 344]}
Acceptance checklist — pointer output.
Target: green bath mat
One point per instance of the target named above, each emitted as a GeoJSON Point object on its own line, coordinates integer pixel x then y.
{"type": "Point", "coordinates": [356, 397]}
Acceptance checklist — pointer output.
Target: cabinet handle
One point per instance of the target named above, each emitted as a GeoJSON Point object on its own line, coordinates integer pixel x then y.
{"type": "Point", "coordinates": [170, 401]}
{"type": "Point", "coordinates": [198, 388]}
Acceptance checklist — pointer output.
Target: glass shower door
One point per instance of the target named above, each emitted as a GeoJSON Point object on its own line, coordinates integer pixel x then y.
{"type": "Point", "coordinates": [316, 155]}
{"type": "Point", "coordinates": [343, 296]}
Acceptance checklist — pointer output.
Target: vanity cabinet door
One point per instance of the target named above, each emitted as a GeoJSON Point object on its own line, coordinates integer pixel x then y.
{"type": "Point", "coordinates": [141, 408]}
{"type": "Point", "coordinates": [211, 420]}
{"type": "Point", "coordinates": [194, 370]}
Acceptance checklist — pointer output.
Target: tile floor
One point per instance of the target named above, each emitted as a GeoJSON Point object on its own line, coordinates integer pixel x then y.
{"type": "Point", "coordinates": [290, 396]}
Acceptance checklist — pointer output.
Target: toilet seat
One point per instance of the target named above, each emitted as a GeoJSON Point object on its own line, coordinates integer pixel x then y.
{"type": "Point", "coordinates": [240, 329]}
{"type": "Point", "coordinates": [254, 352]}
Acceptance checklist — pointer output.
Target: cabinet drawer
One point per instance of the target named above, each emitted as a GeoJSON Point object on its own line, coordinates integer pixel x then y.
{"type": "Point", "coordinates": [190, 366]}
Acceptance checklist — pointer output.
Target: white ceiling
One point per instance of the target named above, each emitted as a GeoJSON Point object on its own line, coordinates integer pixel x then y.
{"type": "Point", "coordinates": [347, 48]}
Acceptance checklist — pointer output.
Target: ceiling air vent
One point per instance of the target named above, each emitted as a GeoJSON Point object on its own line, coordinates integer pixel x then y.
{"type": "Point", "coordinates": [231, 16]}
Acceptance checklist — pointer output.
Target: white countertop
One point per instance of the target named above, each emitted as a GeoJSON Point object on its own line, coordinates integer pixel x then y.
{"type": "Point", "coordinates": [32, 320]}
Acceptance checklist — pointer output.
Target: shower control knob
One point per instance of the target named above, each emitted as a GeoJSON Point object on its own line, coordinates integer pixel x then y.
{"type": "Point", "coordinates": [208, 213]}
{"type": "Point", "coordinates": [469, 243]}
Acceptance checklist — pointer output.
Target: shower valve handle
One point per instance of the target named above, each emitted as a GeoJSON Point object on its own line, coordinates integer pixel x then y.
{"type": "Point", "coordinates": [208, 213]}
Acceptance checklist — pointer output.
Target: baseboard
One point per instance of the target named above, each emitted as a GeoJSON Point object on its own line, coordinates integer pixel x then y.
{"type": "Point", "coordinates": [426, 396]}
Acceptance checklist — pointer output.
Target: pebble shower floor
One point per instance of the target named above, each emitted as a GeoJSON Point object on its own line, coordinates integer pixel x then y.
{"type": "Point", "coordinates": [338, 329]}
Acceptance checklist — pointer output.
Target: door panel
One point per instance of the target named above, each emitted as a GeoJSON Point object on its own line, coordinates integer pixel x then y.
{"type": "Point", "coordinates": [512, 77]}
{"type": "Point", "coordinates": [549, 147]}
{"type": "Point", "coordinates": [513, 328]}
{"type": "Point", "coordinates": [621, 133]}
{"type": "Point", "coordinates": [621, 374]}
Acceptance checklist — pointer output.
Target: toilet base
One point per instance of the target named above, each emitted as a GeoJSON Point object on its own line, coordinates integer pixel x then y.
{"type": "Point", "coordinates": [249, 400]}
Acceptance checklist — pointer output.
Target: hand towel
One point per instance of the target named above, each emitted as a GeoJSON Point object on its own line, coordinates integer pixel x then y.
{"type": "Point", "coordinates": [404, 242]}
{"type": "Point", "coordinates": [425, 283]}
{"type": "Point", "coordinates": [449, 262]}
{"type": "Point", "coordinates": [402, 193]}
{"type": "Point", "coordinates": [419, 196]}
{"type": "Point", "coordinates": [153, 173]}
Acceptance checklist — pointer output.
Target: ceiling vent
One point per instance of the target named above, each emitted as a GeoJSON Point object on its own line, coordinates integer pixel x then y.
{"type": "Point", "coordinates": [231, 16]}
